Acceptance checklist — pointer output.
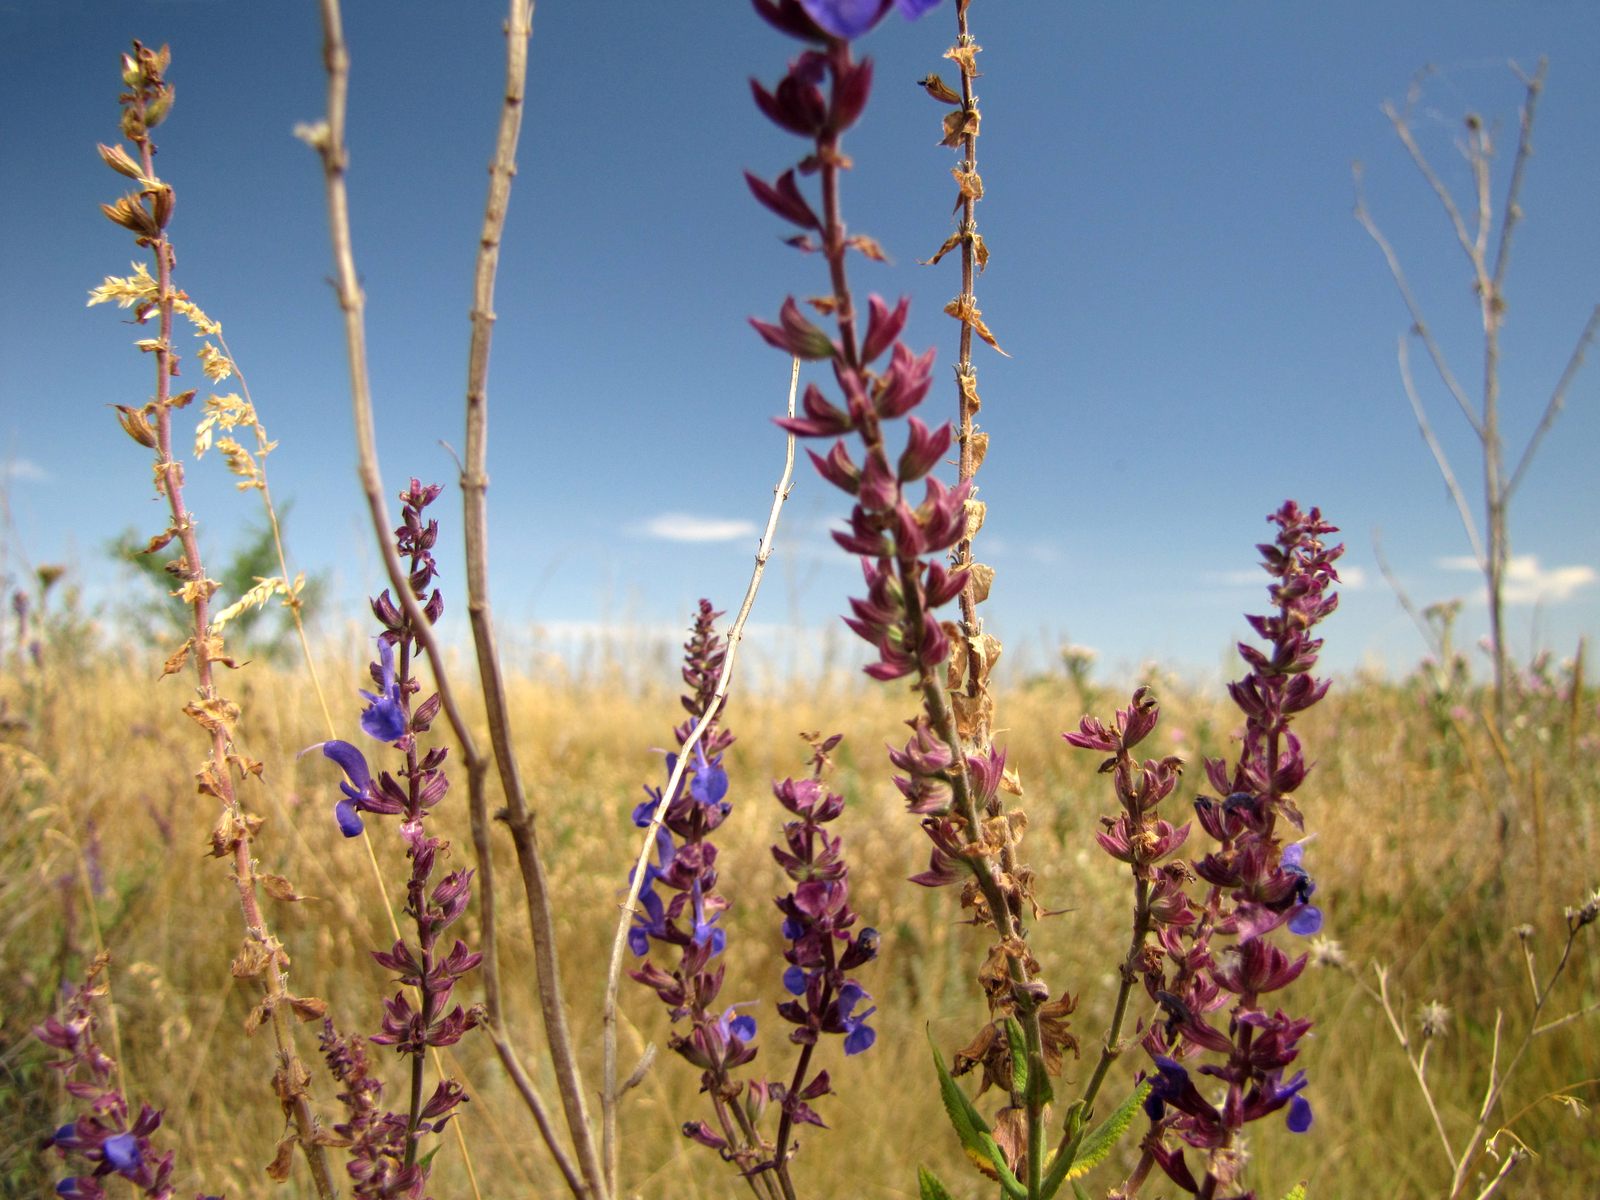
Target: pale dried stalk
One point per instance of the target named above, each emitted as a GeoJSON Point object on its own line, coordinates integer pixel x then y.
{"type": "Point", "coordinates": [475, 517]}
{"type": "Point", "coordinates": [1488, 278]}
{"type": "Point", "coordinates": [619, 941]}
{"type": "Point", "coordinates": [291, 1078]}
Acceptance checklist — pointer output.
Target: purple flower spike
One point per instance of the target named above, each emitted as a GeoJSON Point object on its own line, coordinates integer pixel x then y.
{"type": "Point", "coordinates": [384, 719]}
{"type": "Point", "coordinates": [122, 1152]}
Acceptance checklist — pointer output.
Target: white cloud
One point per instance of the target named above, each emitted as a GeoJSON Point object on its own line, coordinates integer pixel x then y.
{"type": "Point", "coordinates": [20, 470]}
{"type": "Point", "coordinates": [1351, 578]}
{"type": "Point", "coordinates": [1526, 582]}
{"type": "Point", "coordinates": [681, 527]}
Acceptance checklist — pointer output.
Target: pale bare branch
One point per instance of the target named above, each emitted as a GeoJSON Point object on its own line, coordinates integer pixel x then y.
{"type": "Point", "coordinates": [1419, 326]}
{"type": "Point", "coordinates": [1566, 1020]}
{"type": "Point", "coordinates": [1558, 398]}
{"type": "Point", "coordinates": [1404, 344]}
{"type": "Point", "coordinates": [619, 940]}
{"type": "Point", "coordinates": [1513, 208]}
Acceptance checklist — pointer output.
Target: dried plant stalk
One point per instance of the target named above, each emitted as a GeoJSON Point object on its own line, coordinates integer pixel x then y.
{"type": "Point", "coordinates": [146, 213]}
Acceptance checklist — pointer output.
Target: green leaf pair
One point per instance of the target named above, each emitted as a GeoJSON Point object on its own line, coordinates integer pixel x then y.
{"type": "Point", "coordinates": [1082, 1153]}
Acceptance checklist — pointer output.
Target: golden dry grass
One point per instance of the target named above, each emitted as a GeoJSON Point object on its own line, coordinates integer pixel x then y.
{"type": "Point", "coordinates": [1429, 852]}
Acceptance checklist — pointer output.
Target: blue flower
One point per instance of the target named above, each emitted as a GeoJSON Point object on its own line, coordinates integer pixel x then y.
{"type": "Point", "coordinates": [710, 782]}
{"type": "Point", "coordinates": [852, 18]}
{"type": "Point", "coordinates": [743, 1028]}
{"type": "Point", "coordinates": [652, 923]}
{"type": "Point", "coordinates": [705, 930]}
{"type": "Point", "coordinates": [1168, 1083]}
{"type": "Point", "coordinates": [1299, 1115]}
{"type": "Point", "coordinates": [859, 1035]}
{"type": "Point", "coordinates": [1308, 917]}
{"type": "Point", "coordinates": [794, 979]}
{"type": "Point", "coordinates": [122, 1152]}
{"type": "Point", "coordinates": [384, 719]}
{"type": "Point", "coordinates": [354, 764]}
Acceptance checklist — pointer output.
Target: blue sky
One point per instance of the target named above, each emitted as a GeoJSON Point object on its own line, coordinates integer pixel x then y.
{"type": "Point", "coordinates": [1198, 328]}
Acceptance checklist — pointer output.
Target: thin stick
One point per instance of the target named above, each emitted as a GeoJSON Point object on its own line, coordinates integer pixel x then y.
{"type": "Point", "coordinates": [328, 139]}
{"type": "Point", "coordinates": [1462, 507]}
{"type": "Point", "coordinates": [619, 941]}
{"type": "Point", "coordinates": [1417, 1068]}
{"type": "Point", "coordinates": [1393, 581]}
{"type": "Point", "coordinates": [1558, 398]}
{"type": "Point", "coordinates": [474, 488]}
{"type": "Point", "coordinates": [1418, 325]}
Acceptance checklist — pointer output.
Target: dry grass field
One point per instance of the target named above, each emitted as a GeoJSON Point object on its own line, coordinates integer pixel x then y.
{"type": "Point", "coordinates": [1433, 844]}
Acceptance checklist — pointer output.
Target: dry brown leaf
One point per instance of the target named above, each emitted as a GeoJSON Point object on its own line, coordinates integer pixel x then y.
{"type": "Point", "coordinates": [956, 668]}
{"type": "Point", "coordinates": [963, 309]}
{"type": "Point", "coordinates": [258, 1016]}
{"type": "Point", "coordinates": [950, 243]}
{"type": "Point", "coordinates": [970, 182]}
{"type": "Point", "coordinates": [958, 125]}
{"type": "Point", "coordinates": [250, 961]}
{"type": "Point", "coordinates": [940, 90]}
{"type": "Point", "coordinates": [280, 888]}
{"type": "Point", "coordinates": [980, 449]}
{"type": "Point", "coordinates": [966, 58]}
{"type": "Point", "coordinates": [308, 1008]}
{"type": "Point", "coordinates": [968, 384]}
{"type": "Point", "coordinates": [175, 662]}
{"type": "Point", "coordinates": [975, 513]}
{"type": "Point", "coordinates": [826, 305]}
{"type": "Point", "coordinates": [278, 1168]}
{"type": "Point", "coordinates": [215, 715]}
{"type": "Point", "coordinates": [160, 540]}
{"type": "Point", "coordinates": [867, 246]}
{"type": "Point", "coordinates": [980, 252]}
{"type": "Point", "coordinates": [982, 579]}
{"type": "Point", "coordinates": [246, 766]}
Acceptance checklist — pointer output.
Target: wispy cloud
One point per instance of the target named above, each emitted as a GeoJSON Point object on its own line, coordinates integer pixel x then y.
{"type": "Point", "coordinates": [1527, 582]}
{"type": "Point", "coordinates": [681, 527]}
{"type": "Point", "coordinates": [20, 470]}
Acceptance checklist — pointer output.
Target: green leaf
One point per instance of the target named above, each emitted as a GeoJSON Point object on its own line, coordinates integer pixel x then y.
{"type": "Point", "coordinates": [972, 1129]}
{"type": "Point", "coordinates": [1019, 1056]}
{"type": "Point", "coordinates": [1108, 1133]}
{"type": "Point", "coordinates": [1072, 1138]}
{"type": "Point", "coordinates": [1039, 1092]}
{"type": "Point", "coordinates": [932, 1189]}
{"type": "Point", "coordinates": [1298, 1192]}
{"type": "Point", "coordinates": [1078, 1192]}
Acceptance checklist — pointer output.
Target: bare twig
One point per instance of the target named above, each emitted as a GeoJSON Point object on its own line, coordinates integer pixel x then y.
{"type": "Point", "coordinates": [1516, 1155]}
{"type": "Point", "coordinates": [619, 940]}
{"type": "Point", "coordinates": [1513, 209]}
{"type": "Point", "coordinates": [1403, 344]}
{"type": "Point", "coordinates": [474, 489]}
{"type": "Point", "coordinates": [1566, 1020]}
{"type": "Point", "coordinates": [1418, 325]}
{"type": "Point", "coordinates": [1393, 581]}
{"type": "Point", "coordinates": [1418, 1066]}
{"type": "Point", "coordinates": [1558, 398]}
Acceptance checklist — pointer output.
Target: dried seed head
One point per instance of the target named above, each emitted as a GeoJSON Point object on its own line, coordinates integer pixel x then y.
{"type": "Point", "coordinates": [1434, 1018]}
{"type": "Point", "coordinates": [1325, 952]}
